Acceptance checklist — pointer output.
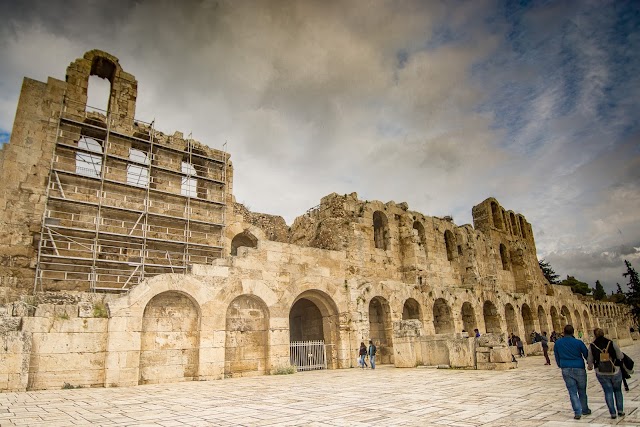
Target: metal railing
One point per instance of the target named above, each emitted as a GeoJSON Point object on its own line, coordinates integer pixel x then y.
{"type": "Point", "coordinates": [308, 355]}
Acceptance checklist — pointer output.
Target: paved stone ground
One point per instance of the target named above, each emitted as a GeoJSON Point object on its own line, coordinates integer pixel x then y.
{"type": "Point", "coordinates": [532, 395]}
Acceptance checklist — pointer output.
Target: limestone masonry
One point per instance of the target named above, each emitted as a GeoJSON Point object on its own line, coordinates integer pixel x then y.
{"type": "Point", "coordinates": [125, 260]}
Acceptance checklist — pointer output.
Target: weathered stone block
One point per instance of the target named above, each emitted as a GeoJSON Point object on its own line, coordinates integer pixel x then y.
{"type": "Point", "coordinates": [500, 355]}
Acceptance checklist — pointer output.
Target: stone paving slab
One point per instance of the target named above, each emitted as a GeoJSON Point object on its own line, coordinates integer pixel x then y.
{"type": "Point", "coordinates": [533, 395]}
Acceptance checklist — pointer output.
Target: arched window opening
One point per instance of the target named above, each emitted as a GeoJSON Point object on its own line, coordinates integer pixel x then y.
{"type": "Point", "coordinates": [98, 94]}
{"type": "Point", "coordinates": [496, 216]}
{"type": "Point", "coordinates": [380, 230]}
{"type": "Point", "coordinates": [527, 321]}
{"type": "Point", "coordinates": [468, 317]}
{"type": "Point", "coordinates": [511, 318]}
{"type": "Point", "coordinates": [422, 238]}
{"type": "Point", "coordinates": [189, 186]}
{"type": "Point", "coordinates": [137, 174]}
{"type": "Point", "coordinates": [411, 310]}
{"type": "Point", "coordinates": [450, 244]}
{"type": "Point", "coordinates": [504, 257]}
{"type": "Point", "coordinates": [491, 318]}
{"type": "Point", "coordinates": [522, 228]}
{"type": "Point", "coordinates": [243, 239]}
{"type": "Point", "coordinates": [514, 224]}
{"type": "Point", "coordinates": [89, 164]}
{"type": "Point", "coordinates": [99, 85]}
{"type": "Point", "coordinates": [442, 321]}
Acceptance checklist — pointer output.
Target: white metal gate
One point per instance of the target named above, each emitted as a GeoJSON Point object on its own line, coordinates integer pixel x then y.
{"type": "Point", "coordinates": [308, 355]}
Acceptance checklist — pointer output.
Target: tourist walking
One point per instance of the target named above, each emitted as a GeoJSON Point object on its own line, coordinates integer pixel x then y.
{"type": "Point", "coordinates": [545, 347]}
{"type": "Point", "coordinates": [570, 354]}
{"type": "Point", "coordinates": [606, 356]}
{"type": "Point", "coordinates": [363, 354]}
{"type": "Point", "coordinates": [371, 351]}
{"type": "Point", "coordinates": [520, 346]}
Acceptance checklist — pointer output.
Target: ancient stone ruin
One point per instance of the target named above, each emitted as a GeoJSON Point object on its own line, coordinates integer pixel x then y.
{"type": "Point", "coordinates": [125, 260]}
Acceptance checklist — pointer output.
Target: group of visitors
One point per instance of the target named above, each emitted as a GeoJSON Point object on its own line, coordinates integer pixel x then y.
{"type": "Point", "coordinates": [610, 363]}
{"type": "Point", "coordinates": [367, 352]}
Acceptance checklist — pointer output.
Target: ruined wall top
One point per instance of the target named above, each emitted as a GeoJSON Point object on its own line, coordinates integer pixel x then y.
{"type": "Point", "coordinates": [490, 215]}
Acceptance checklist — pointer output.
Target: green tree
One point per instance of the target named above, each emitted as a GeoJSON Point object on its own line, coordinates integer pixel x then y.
{"type": "Point", "coordinates": [548, 272]}
{"type": "Point", "coordinates": [598, 292]}
{"type": "Point", "coordinates": [577, 287]}
{"type": "Point", "coordinates": [618, 297]}
{"type": "Point", "coordinates": [633, 294]}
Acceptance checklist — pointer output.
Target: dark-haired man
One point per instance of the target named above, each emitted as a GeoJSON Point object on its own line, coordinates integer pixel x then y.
{"type": "Point", "coordinates": [570, 354]}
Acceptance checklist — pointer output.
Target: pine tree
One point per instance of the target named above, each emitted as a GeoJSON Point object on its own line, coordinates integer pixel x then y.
{"type": "Point", "coordinates": [598, 292]}
{"type": "Point", "coordinates": [548, 272]}
{"type": "Point", "coordinates": [633, 294]}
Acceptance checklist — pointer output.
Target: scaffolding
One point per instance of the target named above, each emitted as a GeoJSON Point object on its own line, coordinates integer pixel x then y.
{"type": "Point", "coordinates": [121, 208]}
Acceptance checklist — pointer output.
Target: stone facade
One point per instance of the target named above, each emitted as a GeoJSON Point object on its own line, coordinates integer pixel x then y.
{"type": "Point", "coordinates": [228, 290]}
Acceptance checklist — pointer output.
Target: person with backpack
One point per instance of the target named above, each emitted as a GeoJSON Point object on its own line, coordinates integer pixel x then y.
{"type": "Point", "coordinates": [606, 357]}
{"type": "Point", "coordinates": [570, 354]}
{"type": "Point", "coordinates": [372, 354]}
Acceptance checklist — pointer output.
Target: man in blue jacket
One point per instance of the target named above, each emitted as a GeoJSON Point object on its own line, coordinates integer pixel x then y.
{"type": "Point", "coordinates": [570, 354]}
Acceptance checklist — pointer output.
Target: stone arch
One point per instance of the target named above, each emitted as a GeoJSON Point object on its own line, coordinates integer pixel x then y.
{"type": "Point", "coordinates": [522, 227]}
{"type": "Point", "coordinates": [442, 319]}
{"type": "Point", "coordinates": [587, 322]}
{"type": "Point", "coordinates": [315, 316]}
{"type": "Point", "coordinates": [169, 345]}
{"type": "Point", "coordinates": [556, 322]}
{"type": "Point", "coordinates": [450, 245]}
{"type": "Point", "coordinates": [100, 83]}
{"type": "Point", "coordinates": [381, 328]}
{"type": "Point", "coordinates": [511, 319]}
{"type": "Point", "coordinates": [496, 216]}
{"type": "Point", "coordinates": [243, 239]}
{"type": "Point", "coordinates": [411, 310]}
{"type": "Point", "coordinates": [469, 322]}
{"type": "Point", "coordinates": [246, 337]}
{"type": "Point", "coordinates": [380, 230]}
{"type": "Point", "coordinates": [564, 312]}
{"type": "Point", "coordinates": [542, 320]}
{"type": "Point", "coordinates": [422, 237]}
{"type": "Point", "coordinates": [578, 322]}
{"type": "Point", "coordinates": [491, 318]}
{"type": "Point", "coordinates": [527, 321]}
{"type": "Point", "coordinates": [514, 225]}
{"type": "Point", "coordinates": [504, 257]}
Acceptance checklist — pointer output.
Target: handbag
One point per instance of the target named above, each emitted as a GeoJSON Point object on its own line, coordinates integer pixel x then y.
{"type": "Point", "coordinates": [627, 364]}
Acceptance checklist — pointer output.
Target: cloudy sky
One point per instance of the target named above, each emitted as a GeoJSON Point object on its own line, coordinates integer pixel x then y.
{"type": "Point", "coordinates": [439, 104]}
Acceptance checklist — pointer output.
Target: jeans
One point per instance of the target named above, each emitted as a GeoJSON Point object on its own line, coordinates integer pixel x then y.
{"type": "Point", "coordinates": [576, 381]}
{"type": "Point", "coordinates": [372, 359]}
{"type": "Point", "coordinates": [545, 351]}
{"type": "Point", "coordinates": [612, 386]}
{"type": "Point", "coordinates": [363, 363]}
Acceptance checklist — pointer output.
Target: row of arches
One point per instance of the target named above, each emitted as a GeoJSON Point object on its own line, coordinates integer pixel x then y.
{"type": "Point", "coordinates": [381, 235]}
{"type": "Point", "coordinates": [509, 222]}
{"type": "Point", "coordinates": [606, 310]}
{"type": "Point", "coordinates": [170, 342]}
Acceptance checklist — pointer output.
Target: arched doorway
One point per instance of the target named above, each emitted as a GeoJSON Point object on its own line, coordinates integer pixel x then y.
{"type": "Point", "coordinates": [542, 319]}
{"type": "Point", "coordinates": [442, 320]}
{"type": "Point", "coordinates": [314, 317]}
{"type": "Point", "coordinates": [169, 340]}
{"type": "Point", "coordinates": [512, 321]}
{"type": "Point", "coordinates": [469, 322]}
{"type": "Point", "coordinates": [246, 337]}
{"type": "Point", "coordinates": [381, 328]}
{"type": "Point", "coordinates": [491, 318]}
{"type": "Point", "coordinates": [527, 321]}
